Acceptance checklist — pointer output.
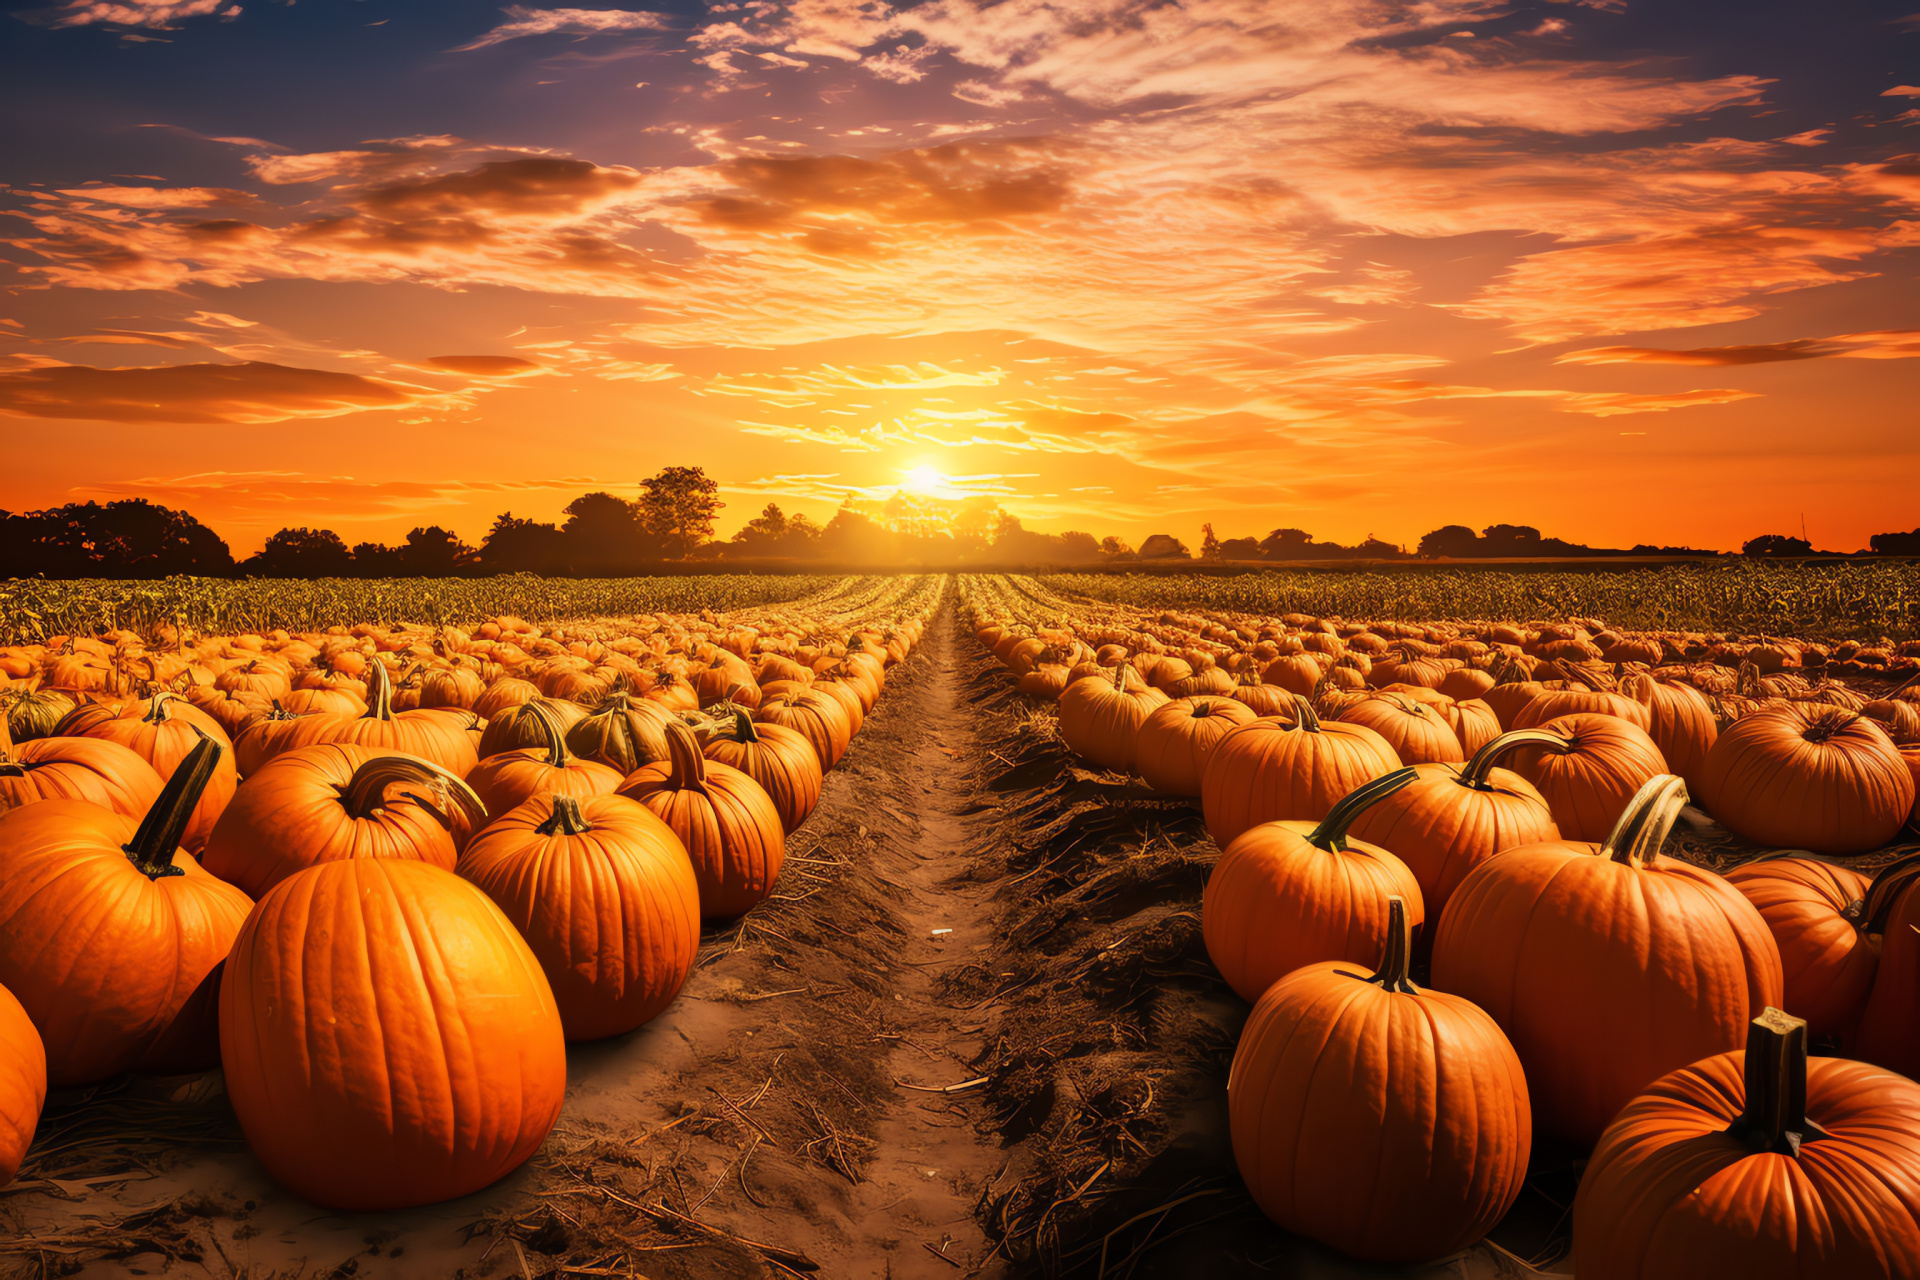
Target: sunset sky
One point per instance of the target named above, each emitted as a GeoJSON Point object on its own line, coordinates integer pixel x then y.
{"type": "Point", "coordinates": [1623, 270]}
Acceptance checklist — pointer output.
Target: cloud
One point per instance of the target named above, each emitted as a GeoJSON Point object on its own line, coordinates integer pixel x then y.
{"type": "Point", "coordinates": [1902, 91]}
{"type": "Point", "coordinates": [526, 21]}
{"type": "Point", "coordinates": [162, 197]}
{"type": "Point", "coordinates": [486, 366]}
{"type": "Point", "coordinates": [160, 14]}
{"type": "Point", "coordinates": [1610, 404]}
{"type": "Point", "coordinates": [1891, 344]}
{"type": "Point", "coordinates": [253, 392]}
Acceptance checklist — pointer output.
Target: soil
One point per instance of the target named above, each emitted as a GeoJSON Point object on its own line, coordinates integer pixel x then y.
{"type": "Point", "coordinates": [974, 1033]}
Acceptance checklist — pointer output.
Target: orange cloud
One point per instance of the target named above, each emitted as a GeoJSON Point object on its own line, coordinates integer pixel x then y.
{"type": "Point", "coordinates": [525, 21]}
{"type": "Point", "coordinates": [486, 366]}
{"type": "Point", "coordinates": [128, 13]}
{"type": "Point", "coordinates": [1892, 344]}
{"type": "Point", "coordinates": [194, 393]}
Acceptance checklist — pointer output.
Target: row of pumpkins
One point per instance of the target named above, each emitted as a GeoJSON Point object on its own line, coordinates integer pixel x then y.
{"type": "Point", "coordinates": [384, 924]}
{"type": "Point", "coordinates": [1583, 982]}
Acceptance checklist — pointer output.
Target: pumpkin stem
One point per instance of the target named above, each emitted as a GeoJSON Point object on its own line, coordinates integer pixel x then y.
{"type": "Point", "coordinates": [379, 691]}
{"type": "Point", "coordinates": [1642, 829]}
{"type": "Point", "coordinates": [1304, 716]}
{"type": "Point", "coordinates": [157, 709]}
{"type": "Point", "coordinates": [743, 730]}
{"type": "Point", "coordinates": [1774, 1118]}
{"type": "Point", "coordinates": [686, 763]}
{"type": "Point", "coordinates": [550, 730]}
{"type": "Point", "coordinates": [1331, 833]}
{"type": "Point", "coordinates": [1120, 670]}
{"type": "Point", "coordinates": [566, 818]}
{"type": "Point", "coordinates": [1477, 769]}
{"type": "Point", "coordinates": [1393, 973]}
{"type": "Point", "coordinates": [158, 835]}
{"type": "Point", "coordinates": [445, 794]}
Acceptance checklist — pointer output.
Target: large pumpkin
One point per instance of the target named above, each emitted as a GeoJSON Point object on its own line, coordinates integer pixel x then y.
{"type": "Point", "coordinates": [1174, 742]}
{"type": "Point", "coordinates": [1453, 817]}
{"type": "Point", "coordinates": [1607, 965]}
{"type": "Point", "coordinates": [1588, 782]}
{"type": "Point", "coordinates": [389, 1039]}
{"type": "Point", "coordinates": [23, 1084]}
{"type": "Point", "coordinates": [1805, 775]}
{"type": "Point", "coordinates": [1757, 1164]}
{"type": "Point", "coordinates": [603, 892]}
{"type": "Point", "coordinates": [516, 728]}
{"type": "Point", "coordinates": [1388, 1121]}
{"type": "Point", "coordinates": [111, 935]}
{"type": "Point", "coordinates": [1817, 915]}
{"type": "Point", "coordinates": [91, 769]}
{"type": "Point", "coordinates": [1287, 894]}
{"type": "Point", "coordinates": [438, 734]}
{"type": "Point", "coordinates": [507, 778]}
{"type": "Point", "coordinates": [1416, 731]}
{"type": "Point", "coordinates": [817, 717]}
{"type": "Point", "coordinates": [333, 800]}
{"type": "Point", "coordinates": [625, 734]}
{"type": "Point", "coordinates": [779, 759]}
{"type": "Point", "coordinates": [1888, 1032]}
{"type": "Point", "coordinates": [1294, 770]}
{"type": "Point", "coordinates": [1100, 716]}
{"type": "Point", "coordinates": [1682, 725]}
{"type": "Point", "coordinates": [163, 730]}
{"type": "Point", "coordinates": [726, 821]}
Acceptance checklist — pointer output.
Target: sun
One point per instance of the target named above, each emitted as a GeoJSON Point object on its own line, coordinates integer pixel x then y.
{"type": "Point", "coordinates": [924, 478]}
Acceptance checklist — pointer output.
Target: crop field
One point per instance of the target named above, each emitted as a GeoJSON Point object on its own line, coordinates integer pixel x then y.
{"type": "Point", "coordinates": [1064, 925]}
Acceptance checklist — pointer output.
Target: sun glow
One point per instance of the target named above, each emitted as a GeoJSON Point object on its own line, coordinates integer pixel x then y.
{"type": "Point", "coordinates": [927, 480]}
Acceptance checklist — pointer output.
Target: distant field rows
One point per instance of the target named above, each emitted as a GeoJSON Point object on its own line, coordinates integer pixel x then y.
{"type": "Point", "coordinates": [32, 610]}
{"type": "Point", "coordinates": [1864, 600]}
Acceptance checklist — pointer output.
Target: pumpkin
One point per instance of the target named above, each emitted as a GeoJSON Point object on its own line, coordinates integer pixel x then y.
{"type": "Point", "coordinates": [1607, 965]}
{"type": "Point", "coordinates": [1287, 770]}
{"type": "Point", "coordinates": [503, 695]}
{"type": "Point", "coordinates": [389, 1040]}
{"type": "Point", "coordinates": [91, 769]}
{"type": "Point", "coordinates": [1417, 732]}
{"type": "Point", "coordinates": [335, 800]}
{"type": "Point", "coordinates": [34, 714]}
{"type": "Point", "coordinates": [603, 893]}
{"type": "Point", "coordinates": [1100, 716]}
{"type": "Point", "coordinates": [778, 758]}
{"type": "Point", "coordinates": [1385, 1120]}
{"type": "Point", "coordinates": [726, 822]}
{"type": "Point", "coordinates": [1263, 699]}
{"type": "Point", "coordinates": [516, 728]}
{"type": "Point", "coordinates": [111, 935]}
{"type": "Point", "coordinates": [1888, 1032]}
{"type": "Point", "coordinates": [1453, 817]}
{"type": "Point", "coordinates": [624, 734]}
{"type": "Point", "coordinates": [163, 731]}
{"type": "Point", "coordinates": [818, 718]}
{"type": "Point", "coordinates": [1287, 894]}
{"type": "Point", "coordinates": [1553, 704]}
{"type": "Point", "coordinates": [507, 778]}
{"type": "Point", "coordinates": [1682, 724]}
{"type": "Point", "coordinates": [1809, 776]}
{"type": "Point", "coordinates": [1471, 720]}
{"type": "Point", "coordinates": [1173, 743]}
{"type": "Point", "coordinates": [23, 1084]}
{"type": "Point", "coordinates": [1588, 781]}
{"type": "Point", "coordinates": [840, 691]}
{"type": "Point", "coordinates": [438, 734]}
{"type": "Point", "coordinates": [1816, 913]}
{"type": "Point", "coordinates": [1757, 1164]}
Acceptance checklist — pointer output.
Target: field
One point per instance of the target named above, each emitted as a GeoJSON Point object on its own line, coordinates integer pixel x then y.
{"type": "Point", "coordinates": [956, 984]}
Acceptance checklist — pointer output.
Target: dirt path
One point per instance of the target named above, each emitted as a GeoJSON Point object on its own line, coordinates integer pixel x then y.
{"type": "Point", "coordinates": [790, 1104]}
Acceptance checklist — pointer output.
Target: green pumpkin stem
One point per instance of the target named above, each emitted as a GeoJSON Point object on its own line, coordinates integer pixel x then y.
{"type": "Point", "coordinates": [158, 836]}
{"type": "Point", "coordinates": [743, 730]}
{"type": "Point", "coordinates": [366, 791]}
{"type": "Point", "coordinates": [1304, 716]}
{"type": "Point", "coordinates": [566, 819]}
{"type": "Point", "coordinates": [1477, 769]}
{"type": "Point", "coordinates": [1642, 829]}
{"type": "Point", "coordinates": [379, 691]}
{"type": "Point", "coordinates": [1394, 961]}
{"type": "Point", "coordinates": [550, 730]}
{"type": "Point", "coordinates": [157, 710]}
{"type": "Point", "coordinates": [1774, 1118]}
{"type": "Point", "coordinates": [1331, 833]}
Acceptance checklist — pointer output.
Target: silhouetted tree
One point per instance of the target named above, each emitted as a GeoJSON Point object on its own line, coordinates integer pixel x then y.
{"type": "Point", "coordinates": [522, 546]}
{"type": "Point", "coordinates": [1287, 544]}
{"type": "Point", "coordinates": [1776, 544]}
{"type": "Point", "coordinates": [1209, 545]}
{"type": "Point", "coordinates": [126, 538]}
{"type": "Point", "coordinates": [1896, 544]}
{"type": "Point", "coordinates": [1114, 548]}
{"type": "Point", "coordinates": [1453, 541]}
{"type": "Point", "coordinates": [301, 553]}
{"type": "Point", "coordinates": [678, 507]}
{"type": "Point", "coordinates": [604, 535]}
{"type": "Point", "coordinates": [1510, 540]}
{"type": "Point", "coordinates": [1239, 549]}
{"type": "Point", "coordinates": [1164, 546]}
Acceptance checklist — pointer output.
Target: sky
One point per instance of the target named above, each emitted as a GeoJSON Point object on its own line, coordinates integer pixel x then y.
{"type": "Point", "coordinates": [1629, 272]}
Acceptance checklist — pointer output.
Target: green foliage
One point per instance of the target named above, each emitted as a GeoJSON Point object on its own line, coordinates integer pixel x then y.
{"type": "Point", "coordinates": [1866, 599]}
{"type": "Point", "coordinates": [31, 609]}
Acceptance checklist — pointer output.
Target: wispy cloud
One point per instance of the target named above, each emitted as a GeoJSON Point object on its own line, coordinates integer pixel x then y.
{"type": "Point", "coordinates": [524, 20]}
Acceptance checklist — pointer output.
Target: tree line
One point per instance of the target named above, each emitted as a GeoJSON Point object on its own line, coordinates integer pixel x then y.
{"type": "Point", "coordinates": [672, 523]}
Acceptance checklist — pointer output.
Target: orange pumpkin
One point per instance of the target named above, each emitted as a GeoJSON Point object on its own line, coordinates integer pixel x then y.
{"type": "Point", "coordinates": [815, 716]}
{"type": "Point", "coordinates": [1417, 732]}
{"type": "Point", "coordinates": [778, 758]}
{"type": "Point", "coordinates": [334, 800]}
{"type": "Point", "coordinates": [1287, 770]}
{"type": "Point", "coordinates": [1809, 776]}
{"type": "Point", "coordinates": [1287, 894]}
{"type": "Point", "coordinates": [111, 935]}
{"type": "Point", "coordinates": [1100, 716]}
{"type": "Point", "coordinates": [389, 1039]}
{"type": "Point", "coordinates": [1588, 782]}
{"type": "Point", "coordinates": [507, 778]}
{"type": "Point", "coordinates": [438, 734]}
{"type": "Point", "coordinates": [1888, 1032]}
{"type": "Point", "coordinates": [23, 1084]}
{"type": "Point", "coordinates": [624, 734]}
{"type": "Point", "coordinates": [91, 769]}
{"type": "Point", "coordinates": [1817, 915]}
{"type": "Point", "coordinates": [1173, 743]}
{"type": "Point", "coordinates": [1387, 1121]}
{"type": "Point", "coordinates": [725, 820]}
{"type": "Point", "coordinates": [603, 893]}
{"type": "Point", "coordinates": [1757, 1164]}
{"type": "Point", "coordinates": [1682, 724]}
{"type": "Point", "coordinates": [163, 731]}
{"type": "Point", "coordinates": [1607, 965]}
